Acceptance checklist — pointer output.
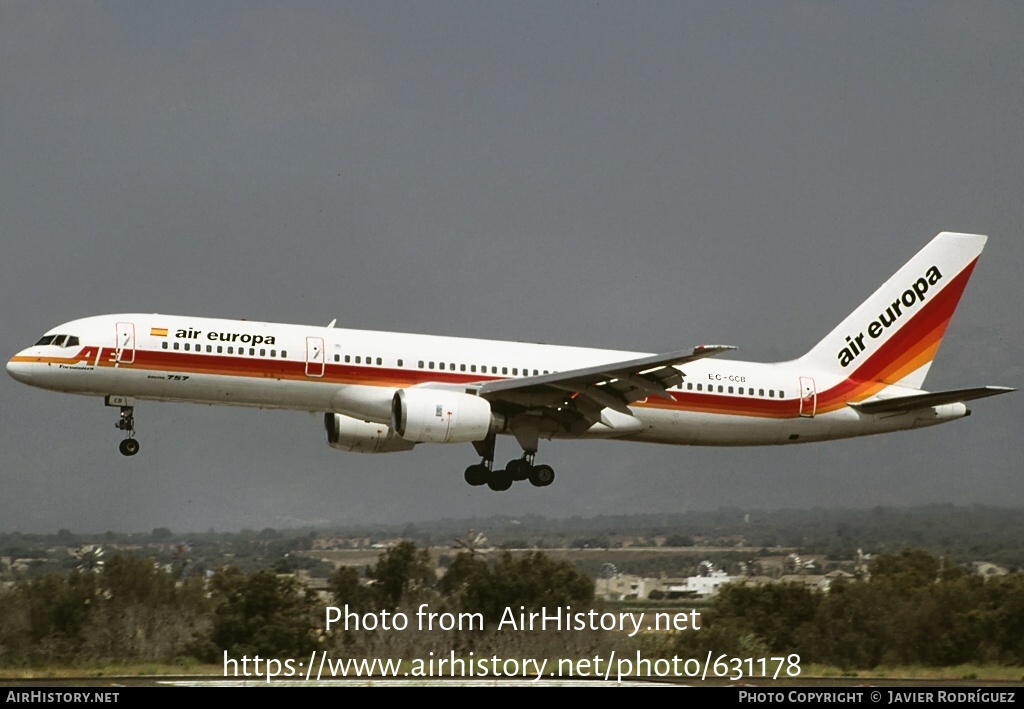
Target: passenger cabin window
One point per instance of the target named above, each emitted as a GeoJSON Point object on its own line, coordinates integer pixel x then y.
{"type": "Point", "coordinates": [163, 344]}
{"type": "Point", "coordinates": [379, 361]}
{"type": "Point", "coordinates": [400, 363]}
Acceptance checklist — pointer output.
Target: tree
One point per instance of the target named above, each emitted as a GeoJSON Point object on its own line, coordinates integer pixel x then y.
{"type": "Point", "coordinates": [345, 589]}
{"type": "Point", "coordinates": [400, 572]}
{"type": "Point", "coordinates": [140, 612]}
{"type": "Point", "coordinates": [464, 570]}
{"type": "Point", "coordinates": [263, 614]}
{"type": "Point", "coordinates": [912, 569]}
{"type": "Point", "coordinates": [531, 580]}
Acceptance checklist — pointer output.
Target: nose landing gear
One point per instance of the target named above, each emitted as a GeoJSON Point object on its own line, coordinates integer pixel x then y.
{"type": "Point", "coordinates": [125, 422]}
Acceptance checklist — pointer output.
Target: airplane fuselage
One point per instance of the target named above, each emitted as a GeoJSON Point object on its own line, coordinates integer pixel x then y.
{"type": "Point", "coordinates": [384, 392]}
{"type": "Point", "coordinates": [356, 372]}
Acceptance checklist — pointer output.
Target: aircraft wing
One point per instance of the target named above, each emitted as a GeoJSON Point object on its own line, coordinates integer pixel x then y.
{"type": "Point", "coordinates": [589, 390]}
{"type": "Point", "coordinates": [923, 400]}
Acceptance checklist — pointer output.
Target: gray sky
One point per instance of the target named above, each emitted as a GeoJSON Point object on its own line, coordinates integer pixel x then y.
{"type": "Point", "coordinates": [643, 176]}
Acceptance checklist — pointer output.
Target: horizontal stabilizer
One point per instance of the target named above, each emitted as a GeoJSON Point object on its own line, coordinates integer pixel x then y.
{"type": "Point", "coordinates": [925, 400]}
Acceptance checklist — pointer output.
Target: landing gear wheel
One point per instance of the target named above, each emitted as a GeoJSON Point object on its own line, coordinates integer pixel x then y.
{"type": "Point", "coordinates": [519, 469]}
{"type": "Point", "coordinates": [499, 480]}
{"type": "Point", "coordinates": [477, 474]}
{"type": "Point", "coordinates": [542, 475]}
{"type": "Point", "coordinates": [129, 447]}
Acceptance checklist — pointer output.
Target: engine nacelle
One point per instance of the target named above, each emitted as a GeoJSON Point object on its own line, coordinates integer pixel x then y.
{"type": "Point", "coordinates": [349, 434]}
{"type": "Point", "coordinates": [436, 416]}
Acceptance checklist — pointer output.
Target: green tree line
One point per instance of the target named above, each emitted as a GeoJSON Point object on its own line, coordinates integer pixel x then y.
{"type": "Point", "coordinates": [910, 609]}
{"type": "Point", "coordinates": [133, 610]}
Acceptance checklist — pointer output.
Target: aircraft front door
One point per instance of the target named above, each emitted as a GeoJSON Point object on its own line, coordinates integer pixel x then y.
{"type": "Point", "coordinates": [124, 345]}
{"type": "Point", "coordinates": [315, 357]}
{"type": "Point", "coordinates": [808, 397]}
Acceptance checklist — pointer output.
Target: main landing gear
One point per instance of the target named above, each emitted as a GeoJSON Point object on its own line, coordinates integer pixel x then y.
{"type": "Point", "coordinates": [483, 473]}
{"type": "Point", "coordinates": [125, 422]}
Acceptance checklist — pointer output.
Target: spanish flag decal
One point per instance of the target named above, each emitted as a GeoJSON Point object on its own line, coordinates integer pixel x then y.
{"type": "Point", "coordinates": [158, 332]}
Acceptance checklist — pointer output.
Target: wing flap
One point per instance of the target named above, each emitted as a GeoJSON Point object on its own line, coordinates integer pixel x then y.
{"type": "Point", "coordinates": [589, 390]}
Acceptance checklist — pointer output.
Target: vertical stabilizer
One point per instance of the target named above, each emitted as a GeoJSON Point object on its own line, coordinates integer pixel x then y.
{"type": "Point", "coordinates": [893, 336]}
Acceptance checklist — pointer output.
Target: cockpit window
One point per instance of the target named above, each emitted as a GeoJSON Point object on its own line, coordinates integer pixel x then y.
{"type": "Point", "coordinates": [59, 340]}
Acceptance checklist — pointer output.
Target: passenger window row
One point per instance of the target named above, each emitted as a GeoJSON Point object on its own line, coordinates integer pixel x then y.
{"type": "Point", "coordinates": [225, 349]}
{"type": "Point", "coordinates": [728, 389]}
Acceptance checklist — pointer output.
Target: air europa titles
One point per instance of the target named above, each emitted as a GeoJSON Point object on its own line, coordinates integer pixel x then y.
{"type": "Point", "coordinates": [212, 336]}
{"type": "Point", "coordinates": [887, 318]}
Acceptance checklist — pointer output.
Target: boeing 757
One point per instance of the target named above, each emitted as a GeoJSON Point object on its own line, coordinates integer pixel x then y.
{"type": "Point", "coordinates": [384, 392]}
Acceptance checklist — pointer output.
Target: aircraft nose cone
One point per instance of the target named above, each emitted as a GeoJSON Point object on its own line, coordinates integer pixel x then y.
{"type": "Point", "coordinates": [19, 371]}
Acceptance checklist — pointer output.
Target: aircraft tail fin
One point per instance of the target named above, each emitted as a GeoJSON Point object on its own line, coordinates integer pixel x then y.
{"type": "Point", "coordinates": [893, 336]}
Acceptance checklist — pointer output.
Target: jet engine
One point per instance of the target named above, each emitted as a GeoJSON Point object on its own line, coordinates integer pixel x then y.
{"type": "Point", "coordinates": [349, 434]}
{"type": "Point", "coordinates": [437, 416]}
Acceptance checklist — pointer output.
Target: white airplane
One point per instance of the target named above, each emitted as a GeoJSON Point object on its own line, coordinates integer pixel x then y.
{"type": "Point", "coordinates": [385, 392]}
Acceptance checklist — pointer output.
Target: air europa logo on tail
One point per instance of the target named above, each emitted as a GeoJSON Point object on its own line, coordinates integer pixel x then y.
{"type": "Point", "coordinates": [887, 318]}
